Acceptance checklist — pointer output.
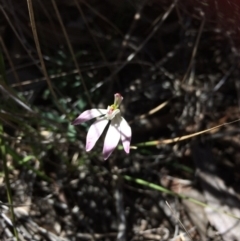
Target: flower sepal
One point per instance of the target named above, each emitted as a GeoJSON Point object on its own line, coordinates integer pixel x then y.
{"type": "Point", "coordinates": [118, 128]}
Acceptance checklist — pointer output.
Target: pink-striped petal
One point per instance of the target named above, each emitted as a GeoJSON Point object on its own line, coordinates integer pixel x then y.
{"type": "Point", "coordinates": [126, 134]}
{"type": "Point", "coordinates": [94, 132]}
{"type": "Point", "coordinates": [112, 137]}
{"type": "Point", "coordinates": [88, 115]}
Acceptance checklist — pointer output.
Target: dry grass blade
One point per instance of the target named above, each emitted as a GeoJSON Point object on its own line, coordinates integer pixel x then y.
{"type": "Point", "coordinates": [151, 112]}
{"type": "Point", "coordinates": [92, 35]}
{"type": "Point", "coordinates": [71, 72]}
{"type": "Point", "coordinates": [182, 138]}
{"type": "Point", "coordinates": [126, 39]}
{"type": "Point", "coordinates": [71, 51]}
{"type": "Point", "coordinates": [132, 55]}
{"type": "Point", "coordinates": [195, 134]}
{"type": "Point", "coordinates": [154, 110]}
{"type": "Point", "coordinates": [36, 40]}
{"type": "Point", "coordinates": [9, 60]}
{"type": "Point", "coordinates": [17, 35]}
{"type": "Point", "coordinates": [179, 221]}
{"type": "Point", "coordinates": [88, 27]}
{"type": "Point", "coordinates": [195, 47]}
{"type": "Point", "coordinates": [8, 92]}
{"type": "Point", "coordinates": [103, 17]}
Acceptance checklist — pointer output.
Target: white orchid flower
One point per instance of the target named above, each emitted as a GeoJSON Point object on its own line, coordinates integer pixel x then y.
{"type": "Point", "coordinates": [118, 127]}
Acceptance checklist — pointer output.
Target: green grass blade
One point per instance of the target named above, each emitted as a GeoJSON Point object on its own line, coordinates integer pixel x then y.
{"type": "Point", "coordinates": [167, 191]}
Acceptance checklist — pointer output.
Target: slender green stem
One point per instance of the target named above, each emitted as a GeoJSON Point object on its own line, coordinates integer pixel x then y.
{"type": "Point", "coordinates": [6, 174]}
{"type": "Point", "coordinates": [3, 153]}
{"type": "Point", "coordinates": [182, 196]}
